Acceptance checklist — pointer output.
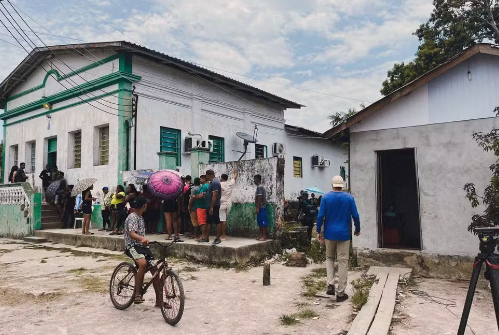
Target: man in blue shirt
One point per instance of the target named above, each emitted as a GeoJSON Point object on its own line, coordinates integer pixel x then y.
{"type": "Point", "coordinates": [336, 212]}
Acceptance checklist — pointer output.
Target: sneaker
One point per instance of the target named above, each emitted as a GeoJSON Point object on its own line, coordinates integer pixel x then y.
{"type": "Point", "coordinates": [203, 240]}
{"type": "Point", "coordinates": [217, 241]}
{"type": "Point", "coordinates": [330, 290]}
{"type": "Point", "coordinates": [341, 298]}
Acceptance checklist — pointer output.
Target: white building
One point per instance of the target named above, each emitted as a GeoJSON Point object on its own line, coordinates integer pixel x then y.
{"type": "Point", "coordinates": [413, 151]}
{"type": "Point", "coordinates": [71, 106]}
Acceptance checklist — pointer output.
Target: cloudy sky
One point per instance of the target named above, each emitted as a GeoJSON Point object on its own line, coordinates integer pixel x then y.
{"type": "Point", "coordinates": [296, 49]}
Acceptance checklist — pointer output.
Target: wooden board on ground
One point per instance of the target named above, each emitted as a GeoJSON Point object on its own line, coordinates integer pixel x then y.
{"type": "Point", "coordinates": [375, 270]}
{"type": "Point", "coordinates": [383, 318]}
{"type": "Point", "coordinates": [363, 320]}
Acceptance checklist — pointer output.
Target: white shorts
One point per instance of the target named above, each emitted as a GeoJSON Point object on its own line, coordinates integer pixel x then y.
{"type": "Point", "coordinates": [224, 211]}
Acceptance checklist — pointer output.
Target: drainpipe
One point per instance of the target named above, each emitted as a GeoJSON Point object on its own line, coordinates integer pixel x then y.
{"type": "Point", "coordinates": [135, 102]}
{"type": "Point", "coordinates": [127, 125]}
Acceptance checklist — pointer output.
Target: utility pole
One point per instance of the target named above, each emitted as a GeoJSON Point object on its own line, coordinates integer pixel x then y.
{"type": "Point", "coordinates": [135, 102]}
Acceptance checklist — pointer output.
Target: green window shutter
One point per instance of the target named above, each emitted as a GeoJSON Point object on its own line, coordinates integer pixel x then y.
{"type": "Point", "coordinates": [170, 142]}
{"type": "Point", "coordinates": [218, 154]}
{"type": "Point", "coordinates": [104, 146]}
{"type": "Point", "coordinates": [52, 145]}
{"type": "Point", "coordinates": [77, 150]}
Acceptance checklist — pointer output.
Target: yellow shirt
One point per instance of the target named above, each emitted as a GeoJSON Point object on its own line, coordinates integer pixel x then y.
{"type": "Point", "coordinates": [115, 201]}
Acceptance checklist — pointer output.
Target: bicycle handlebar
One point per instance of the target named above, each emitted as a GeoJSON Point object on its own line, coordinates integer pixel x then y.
{"type": "Point", "coordinates": [163, 245]}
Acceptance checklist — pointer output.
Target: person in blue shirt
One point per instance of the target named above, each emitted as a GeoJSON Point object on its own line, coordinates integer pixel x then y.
{"type": "Point", "coordinates": [335, 214]}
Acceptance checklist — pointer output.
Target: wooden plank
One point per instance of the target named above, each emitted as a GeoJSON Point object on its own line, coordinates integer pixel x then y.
{"type": "Point", "coordinates": [383, 318]}
{"type": "Point", "coordinates": [375, 270]}
{"type": "Point", "coordinates": [363, 320]}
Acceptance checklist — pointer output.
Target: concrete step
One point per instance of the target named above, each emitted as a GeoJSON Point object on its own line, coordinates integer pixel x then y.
{"type": "Point", "coordinates": [51, 225]}
{"type": "Point", "coordinates": [35, 239]}
{"type": "Point", "coordinates": [50, 218]}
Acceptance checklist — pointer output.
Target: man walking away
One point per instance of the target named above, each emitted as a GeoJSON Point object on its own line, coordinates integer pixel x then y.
{"type": "Point", "coordinates": [261, 207]}
{"type": "Point", "coordinates": [226, 200]}
{"type": "Point", "coordinates": [46, 178]}
{"type": "Point", "coordinates": [21, 177]}
{"type": "Point", "coordinates": [336, 211]}
{"type": "Point", "coordinates": [213, 196]}
{"type": "Point", "coordinates": [106, 208]}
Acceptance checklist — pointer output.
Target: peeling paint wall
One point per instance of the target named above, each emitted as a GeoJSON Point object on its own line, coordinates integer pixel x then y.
{"type": "Point", "coordinates": [242, 219]}
{"type": "Point", "coordinates": [17, 221]}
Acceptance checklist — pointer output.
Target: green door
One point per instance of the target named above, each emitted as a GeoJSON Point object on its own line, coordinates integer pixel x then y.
{"type": "Point", "coordinates": [52, 152]}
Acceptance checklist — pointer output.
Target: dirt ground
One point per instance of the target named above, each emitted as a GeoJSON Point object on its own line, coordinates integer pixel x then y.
{"type": "Point", "coordinates": [50, 289]}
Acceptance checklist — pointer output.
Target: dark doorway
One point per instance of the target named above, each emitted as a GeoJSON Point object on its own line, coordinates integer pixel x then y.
{"type": "Point", "coordinates": [398, 200]}
{"type": "Point", "coordinates": [52, 152]}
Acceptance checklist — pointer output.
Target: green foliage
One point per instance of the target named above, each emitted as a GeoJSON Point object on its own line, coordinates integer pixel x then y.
{"type": "Point", "coordinates": [361, 288]}
{"type": "Point", "coordinates": [311, 286]}
{"type": "Point", "coordinates": [319, 273]}
{"type": "Point", "coordinates": [316, 253]}
{"type": "Point", "coordinates": [489, 142]}
{"type": "Point", "coordinates": [307, 314]}
{"type": "Point", "coordinates": [288, 320]}
{"type": "Point", "coordinates": [454, 25]}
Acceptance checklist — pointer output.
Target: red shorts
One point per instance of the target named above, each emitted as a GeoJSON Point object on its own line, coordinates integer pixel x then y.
{"type": "Point", "coordinates": [202, 216]}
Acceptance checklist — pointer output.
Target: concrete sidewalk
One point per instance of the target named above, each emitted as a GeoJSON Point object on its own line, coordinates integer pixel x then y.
{"type": "Point", "coordinates": [233, 250]}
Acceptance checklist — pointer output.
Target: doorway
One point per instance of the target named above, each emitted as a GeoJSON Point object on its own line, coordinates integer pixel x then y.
{"type": "Point", "coordinates": [398, 200]}
{"type": "Point", "coordinates": [52, 152]}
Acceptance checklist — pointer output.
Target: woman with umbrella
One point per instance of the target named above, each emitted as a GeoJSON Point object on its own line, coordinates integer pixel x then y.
{"type": "Point", "coordinates": [84, 187]}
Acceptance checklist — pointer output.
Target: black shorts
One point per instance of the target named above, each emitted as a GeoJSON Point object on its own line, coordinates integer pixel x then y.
{"type": "Point", "coordinates": [170, 206]}
{"type": "Point", "coordinates": [215, 218]}
{"type": "Point", "coordinates": [137, 252]}
{"type": "Point", "coordinates": [86, 209]}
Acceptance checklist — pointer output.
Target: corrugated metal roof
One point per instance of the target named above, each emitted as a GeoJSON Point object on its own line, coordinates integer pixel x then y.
{"type": "Point", "coordinates": [38, 55]}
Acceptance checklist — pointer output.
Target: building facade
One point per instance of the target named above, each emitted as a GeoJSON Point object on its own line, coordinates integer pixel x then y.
{"type": "Point", "coordinates": [72, 106]}
{"type": "Point", "coordinates": [412, 152]}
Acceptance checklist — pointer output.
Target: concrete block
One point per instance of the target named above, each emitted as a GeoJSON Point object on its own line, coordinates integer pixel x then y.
{"type": "Point", "coordinates": [35, 239]}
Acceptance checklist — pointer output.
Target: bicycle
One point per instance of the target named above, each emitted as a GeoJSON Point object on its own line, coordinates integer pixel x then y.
{"type": "Point", "coordinates": [122, 287]}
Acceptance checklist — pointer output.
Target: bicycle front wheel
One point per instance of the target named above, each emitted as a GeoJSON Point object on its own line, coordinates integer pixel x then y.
{"type": "Point", "coordinates": [122, 285]}
{"type": "Point", "coordinates": [173, 297]}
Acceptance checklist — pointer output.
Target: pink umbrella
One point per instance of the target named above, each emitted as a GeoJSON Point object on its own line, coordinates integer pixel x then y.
{"type": "Point", "coordinates": [165, 184]}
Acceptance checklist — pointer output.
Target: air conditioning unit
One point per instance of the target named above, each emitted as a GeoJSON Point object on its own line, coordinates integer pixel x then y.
{"type": "Point", "coordinates": [277, 149]}
{"type": "Point", "coordinates": [206, 144]}
{"type": "Point", "coordinates": [325, 163]}
{"type": "Point", "coordinates": [320, 161]}
{"type": "Point", "coordinates": [190, 142]}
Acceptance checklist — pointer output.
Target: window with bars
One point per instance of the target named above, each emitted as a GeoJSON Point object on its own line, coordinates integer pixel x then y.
{"type": "Point", "coordinates": [170, 142]}
{"type": "Point", "coordinates": [218, 154]}
{"type": "Point", "coordinates": [33, 157]}
{"type": "Point", "coordinates": [77, 149]}
{"type": "Point", "coordinates": [260, 151]}
{"type": "Point", "coordinates": [297, 167]}
{"type": "Point", "coordinates": [104, 145]}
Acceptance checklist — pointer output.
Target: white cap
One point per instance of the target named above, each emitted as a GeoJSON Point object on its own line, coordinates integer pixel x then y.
{"type": "Point", "coordinates": [337, 181]}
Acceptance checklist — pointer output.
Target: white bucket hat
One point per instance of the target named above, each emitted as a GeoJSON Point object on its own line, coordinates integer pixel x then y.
{"type": "Point", "coordinates": [337, 181]}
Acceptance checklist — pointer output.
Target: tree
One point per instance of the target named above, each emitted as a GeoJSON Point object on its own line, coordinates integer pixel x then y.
{"type": "Point", "coordinates": [490, 199]}
{"type": "Point", "coordinates": [338, 118]}
{"type": "Point", "coordinates": [454, 25]}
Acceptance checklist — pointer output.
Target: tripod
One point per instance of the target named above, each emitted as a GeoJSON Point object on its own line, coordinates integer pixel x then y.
{"type": "Point", "coordinates": [488, 243]}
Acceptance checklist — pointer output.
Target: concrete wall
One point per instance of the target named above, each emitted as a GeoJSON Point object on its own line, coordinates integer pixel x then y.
{"type": "Point", "coordinates": [447, 157]}
{"type": "Point", "coordinates": [18, 220]}
{"type": "Point", "coordinates": [305, 147]}
{"type": "Point", "coordinates": [242, 219]}
{"type": "Point", "coordinates": [450, 97]}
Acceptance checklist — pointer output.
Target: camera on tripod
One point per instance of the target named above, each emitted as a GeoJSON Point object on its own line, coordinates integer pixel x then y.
{"type": "Point", "coordinates": [488, 238]}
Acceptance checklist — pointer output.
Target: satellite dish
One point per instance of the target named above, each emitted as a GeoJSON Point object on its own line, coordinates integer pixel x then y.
{"type": "Point", "coordinates": [246, 137]}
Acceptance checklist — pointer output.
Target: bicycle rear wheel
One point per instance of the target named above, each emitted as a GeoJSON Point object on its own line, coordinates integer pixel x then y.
{"type": "Point", "coordinates": [122, 285]}
{"type": "Point", "coordinates": [173, 296]}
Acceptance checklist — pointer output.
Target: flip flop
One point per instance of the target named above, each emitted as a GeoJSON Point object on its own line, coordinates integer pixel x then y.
{"type": "Point", "coordinates": [165, 305]}
{"type": "Point", "coordinates": [138, 300]}
{"type": "Point", "coordinates": [169, 238]}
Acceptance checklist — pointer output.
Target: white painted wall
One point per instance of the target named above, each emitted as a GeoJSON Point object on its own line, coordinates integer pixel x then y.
{"type": "Point", "coordinates": [312, 176]}
{"type": "Point", "coordinates": [448, 98]}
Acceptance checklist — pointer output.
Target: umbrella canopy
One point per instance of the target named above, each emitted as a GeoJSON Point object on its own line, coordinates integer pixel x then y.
{"type": "Point", "coordinates": [165, 184]}
{"type": "Point", "coordinates": [52, 189]}
{"type": "Point", "coordinates": [314, 190]}
{"type": "Point", "coordinates": [82, 185]}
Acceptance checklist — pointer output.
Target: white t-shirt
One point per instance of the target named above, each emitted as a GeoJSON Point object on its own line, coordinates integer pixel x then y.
{"type": "Point", "coordinates": [227, 187]}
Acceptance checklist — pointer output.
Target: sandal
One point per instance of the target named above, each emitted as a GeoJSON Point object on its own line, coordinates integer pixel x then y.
{"type": "Point", "coordinates": [165, 305]}
{"type": "Point", "coordinates": [138, 300]}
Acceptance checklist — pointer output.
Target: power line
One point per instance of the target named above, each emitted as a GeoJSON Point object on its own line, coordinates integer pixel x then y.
{"type": "Point", "coordinates": [1, 21]}
{"type": "Point", "coordinates": [88, 93]}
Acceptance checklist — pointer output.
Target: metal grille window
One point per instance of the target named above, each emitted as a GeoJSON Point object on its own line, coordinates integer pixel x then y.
{"type": "Point", "coordinates": [218, 154]}
{"type": "Point", "coordinates": [260, 151]}
{"type": "Point", "coordinates": [77, 149]}
{"type": "Point", "coordinates": [297, 167]}
{"type": "Point", "coordinates": [170, 142]}
{"type": "Point", "coordinates": [33, 157]}
{"type": "Point", "coordinates": [103, 145]}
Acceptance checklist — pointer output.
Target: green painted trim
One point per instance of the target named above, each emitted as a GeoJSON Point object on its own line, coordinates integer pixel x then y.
{"type": "Point", "coordinates": [63, 107]}
{"type": "Point", "coordinates": [4, 149]}
{"type": "Point", "coordinates": [124, 112]}
{"type": "Point", "coordinates": [104, 81]}
{"type": "Point", "coordinates": [36, 218]}
{"type": "Point", "coordinates": [64, 77]}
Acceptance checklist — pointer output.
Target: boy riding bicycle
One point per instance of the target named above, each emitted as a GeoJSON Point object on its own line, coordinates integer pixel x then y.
{"type": "Point", "coordinates": [137, 248]}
